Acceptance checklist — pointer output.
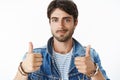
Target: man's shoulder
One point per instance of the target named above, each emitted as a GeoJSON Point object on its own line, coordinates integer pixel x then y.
{"type": "Point", "coordinates": [40, 49]}
{"type": "Point", "coordinates": [91, 49]}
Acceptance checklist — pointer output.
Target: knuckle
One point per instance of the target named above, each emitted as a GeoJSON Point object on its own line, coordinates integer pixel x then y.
{"type": "Point", "coordinates": [31, 68]}
{"type": "Point", "coordinates": [85, 67]}
{"type": "Point", "coordinates": [79, 70]}
{"type": "Point", "coordinates": [85, 71]}
{"type": "Point", "coordinates": [78, 67]}
{"type": "Point", "coordinates": [41, 59]}
{"type": "Point", "coordinates": [75, 63]}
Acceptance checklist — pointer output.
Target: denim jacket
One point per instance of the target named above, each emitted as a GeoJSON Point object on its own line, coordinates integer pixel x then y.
{"type": "Point", "coordinates": [49, 70]}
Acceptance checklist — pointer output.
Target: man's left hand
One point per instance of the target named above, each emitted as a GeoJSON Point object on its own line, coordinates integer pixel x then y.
{"type": "Point", "coordinates": [84, 64]}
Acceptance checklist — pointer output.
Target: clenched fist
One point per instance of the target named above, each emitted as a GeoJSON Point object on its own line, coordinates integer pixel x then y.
{"type": "Point", "coordinates": [33, 61]}
{"type": "Point", "coordinates": [84, 64]}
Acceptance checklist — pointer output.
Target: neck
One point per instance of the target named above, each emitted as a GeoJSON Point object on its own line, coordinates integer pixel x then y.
{"type": "Point", "coordinates": [62, 47]}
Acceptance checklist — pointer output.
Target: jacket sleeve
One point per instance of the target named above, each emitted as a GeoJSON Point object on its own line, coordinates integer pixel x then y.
{"type": "Point", "coordinates": [96, 59]}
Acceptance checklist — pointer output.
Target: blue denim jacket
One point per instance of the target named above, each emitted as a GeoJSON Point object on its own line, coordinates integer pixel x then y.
{"type": "Point", "coordinates": [49, 70]}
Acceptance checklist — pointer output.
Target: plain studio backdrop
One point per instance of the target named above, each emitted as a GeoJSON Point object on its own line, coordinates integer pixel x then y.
{"type": "Point", "coordinates": [22, 21]}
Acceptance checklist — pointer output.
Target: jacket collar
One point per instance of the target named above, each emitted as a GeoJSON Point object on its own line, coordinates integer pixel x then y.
{"type": "Point", "coordinates": [78, 49]}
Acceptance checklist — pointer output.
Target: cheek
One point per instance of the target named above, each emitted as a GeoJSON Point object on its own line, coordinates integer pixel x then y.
{"type": "Point", "coordinates": [72, 28]}
{"type": "Point", "coordinates": [52, 29]}
{"type": "Point", "coordinates": [52, 26]}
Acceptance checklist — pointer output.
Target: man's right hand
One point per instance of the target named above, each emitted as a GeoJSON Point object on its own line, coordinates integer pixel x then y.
{"type": "Point", "coordinates": [33, 61]}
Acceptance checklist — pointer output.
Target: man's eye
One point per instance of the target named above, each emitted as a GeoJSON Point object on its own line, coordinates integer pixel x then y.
{"type": "Point", "coordinates": [67, 20]}
{"type": "Point", "coordinates": [54, 20]}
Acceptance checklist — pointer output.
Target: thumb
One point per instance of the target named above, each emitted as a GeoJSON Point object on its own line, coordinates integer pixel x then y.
{"type": "Point", "coordinates": [88, 51]}
{"type": "Point", "coordinates": [30, 50]}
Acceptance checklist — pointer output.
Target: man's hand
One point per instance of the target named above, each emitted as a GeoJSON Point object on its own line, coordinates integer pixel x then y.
{"type": "Point", "coordinates": [33, 61]}
{"type": "Point", "coordinates": [84, 64]}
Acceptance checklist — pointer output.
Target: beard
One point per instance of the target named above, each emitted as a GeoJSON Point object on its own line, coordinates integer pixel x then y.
{"type": "Point", "coordinates": [65, 37]}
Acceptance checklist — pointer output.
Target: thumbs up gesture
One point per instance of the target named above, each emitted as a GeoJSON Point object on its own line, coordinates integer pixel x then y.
{"type": "Point", "coordinates": [33, 61]}
{"type": "Point", "coordinates": [85, 64]}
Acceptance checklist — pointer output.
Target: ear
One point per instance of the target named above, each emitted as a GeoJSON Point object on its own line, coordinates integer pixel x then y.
{"type": "Point", "coordinates": [49, 21]}
{"type": "Point", "coordinates": [76, 22]}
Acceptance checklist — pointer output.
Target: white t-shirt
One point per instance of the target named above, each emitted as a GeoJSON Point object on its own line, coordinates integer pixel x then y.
{"type": "Point", "coordinates": [63, 63]}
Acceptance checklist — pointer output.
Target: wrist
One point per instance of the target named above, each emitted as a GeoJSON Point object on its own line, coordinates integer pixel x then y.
{"type": "Point", "coordinates": [21, 70]}
{"type": "Point", "coordinates": [95, 72]}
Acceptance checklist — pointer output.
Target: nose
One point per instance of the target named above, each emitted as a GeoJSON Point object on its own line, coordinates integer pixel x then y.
{"type": "Point", "coordinates": [61, 23]}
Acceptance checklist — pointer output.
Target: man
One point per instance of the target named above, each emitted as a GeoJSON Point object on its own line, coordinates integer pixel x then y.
{"type": "Point", "coordinates": [63, 58]}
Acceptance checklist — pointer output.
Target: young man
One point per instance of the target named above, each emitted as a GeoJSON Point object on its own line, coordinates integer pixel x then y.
{"type": "Point", "coordinates": [63, 58]}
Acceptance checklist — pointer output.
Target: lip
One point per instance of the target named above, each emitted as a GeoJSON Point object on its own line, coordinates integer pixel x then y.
{"type": "Point", "coordinates": [61, 31]}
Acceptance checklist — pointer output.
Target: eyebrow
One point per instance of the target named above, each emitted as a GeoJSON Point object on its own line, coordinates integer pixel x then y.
{"type": "Point", "coordinates": [54, 18]}
{"type": "Point", "coordinates": [68, 17]}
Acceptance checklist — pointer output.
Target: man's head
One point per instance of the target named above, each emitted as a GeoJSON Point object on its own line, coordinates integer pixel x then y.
{"type": "Point", "coordinates": [62, 16]}
{"type": "Point", "coordinates": [66, 5]}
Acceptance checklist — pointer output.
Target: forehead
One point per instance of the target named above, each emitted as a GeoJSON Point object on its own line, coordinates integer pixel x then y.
{"type": "Point", "coordinates": [60, 14]}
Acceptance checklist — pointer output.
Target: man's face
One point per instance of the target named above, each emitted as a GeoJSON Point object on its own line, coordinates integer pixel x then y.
{"type": "Point", "coordinates": [62, 25]}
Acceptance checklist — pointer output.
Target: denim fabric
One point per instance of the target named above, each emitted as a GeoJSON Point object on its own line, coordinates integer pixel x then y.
{"type": "Point", "coordinates": [49, 70]}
